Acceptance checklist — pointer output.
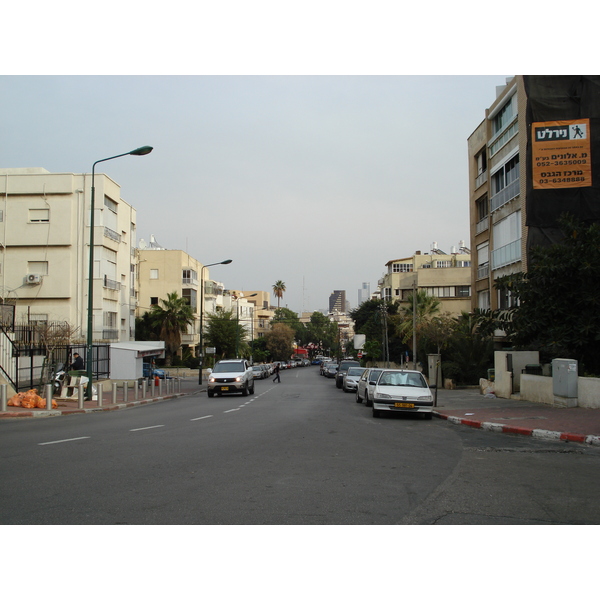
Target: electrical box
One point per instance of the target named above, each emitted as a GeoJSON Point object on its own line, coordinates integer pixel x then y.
{"type": "Point", "coordinates": [564, 377]}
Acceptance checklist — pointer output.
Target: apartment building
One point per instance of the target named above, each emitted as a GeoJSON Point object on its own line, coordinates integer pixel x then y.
{"type": "Point", "coordinates": [497, 195]}
{"type": "Point", "coordinates": [44, 251]}
{"type": "Point", "coordinates": [262, 312]}
{"type": "Point", "coordinates": [162, 272]}
{"type": "Point", "coordinates": [337, 301]}
{"type": "Point", "coordinates": [447, 277]}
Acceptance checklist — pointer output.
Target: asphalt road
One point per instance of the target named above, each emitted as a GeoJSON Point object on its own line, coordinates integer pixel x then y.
{"type": "Point", "coordinates": [300, 452]}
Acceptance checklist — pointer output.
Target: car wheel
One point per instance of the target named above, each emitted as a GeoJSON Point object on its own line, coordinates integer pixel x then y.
{"type": "Point", "coordinates": [358, 398]}
{"type": "Point", "coordinates": [428, 416]}
{"type": "Point", "coordinates": [376, 413]}
{"type": "Point", "coordinates": [245, 390]}
{"type": "Point", "coordinates": [367, 401]}
{"type": "Point", "coordinates": [252, 388]}
{"type": "Point", "coordinates": [210, 393]}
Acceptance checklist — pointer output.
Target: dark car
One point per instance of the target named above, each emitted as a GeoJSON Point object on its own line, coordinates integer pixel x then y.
{"type": "Point", "coordinates": [330, 370]}
{"type": "Point", "coordinates": [150, 373]}
{"type": "Point", "coordinates": [344, 366]}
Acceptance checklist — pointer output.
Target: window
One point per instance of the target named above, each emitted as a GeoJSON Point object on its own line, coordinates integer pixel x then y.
{"type": "Point", "coordinates": [191, 297]}
{"type": "Point", "coordinates": [37, 267]}
{"type": "Point", "coordinates": [443, 264]}
{"type": "Point", "coordinates": [483, 300]}
{"type": "Point", "coordinates": [153, 300]}
{"type": "Point", "coordinates": [482, 208]}
{"type": "Point", "coordinates": [402, 268]}
{"type": "Point", "coordinates": [463, 291]}
{"type": "Point", "coordinates": [503, 117]}
{"type": "Point", "coordinates": [481, 161]}
{"type": "Point", "coordinates": [110, 204]}
{"type": "Point", "coordinates": [41, 318]}
{"type": "Point", "coordinates": [189, 276]}
{"type": "Point", "coordinates": [39, 215]}
{"type": "Point", "coordinates": [153, 273]}
{"type": "Point", "coordinates": [508, 173]}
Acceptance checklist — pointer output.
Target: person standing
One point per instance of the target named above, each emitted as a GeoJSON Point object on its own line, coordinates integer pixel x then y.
{"type": "Point", "coordinates": [277, 378]}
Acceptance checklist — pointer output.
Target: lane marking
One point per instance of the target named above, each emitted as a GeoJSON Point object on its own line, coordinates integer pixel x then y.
{"type": "Point", "coordinates": [231, 410]}
{"type": "Point", "coordinates": [198, 418]}
{"type": "Point", "coordinates": [142, 428]}
{"type": "Point", "coordinates": [87, 437]}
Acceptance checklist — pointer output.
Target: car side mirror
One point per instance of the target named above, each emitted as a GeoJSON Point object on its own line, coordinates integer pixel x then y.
{"type": "Point", "coordinates": [433, 386]}
{"type": "Point", "coordinates": [371, 383]}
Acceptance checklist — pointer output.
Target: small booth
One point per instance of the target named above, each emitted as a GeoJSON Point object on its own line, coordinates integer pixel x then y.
{"type": "Point", "coordinates": [127, 359]}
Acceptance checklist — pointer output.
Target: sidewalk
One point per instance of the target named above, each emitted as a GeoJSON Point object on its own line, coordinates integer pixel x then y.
{"type": "Point", "coordinates": [469, 407]}
{"type": "Point", "coordinates": [189, 385]}
{"type": "Point", "coordinates": [461, 406]}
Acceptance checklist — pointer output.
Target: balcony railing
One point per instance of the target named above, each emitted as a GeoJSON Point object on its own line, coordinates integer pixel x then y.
{"type": "Point", "coordinates": [483, 271]}
{"type": "Point", "coordinates": [483, 225]}
{"type": "Point", "coordinates": [110, 334]}
{"type": "Point", "coordinates": [113, 235]}
{"type": "Point", "coordinates": [506, 255]}
{"type": "Point", "coordinates": [481, 179]}
{"type": "Point", "coordinates": [506, 194]}
{"type": "Point", "coordinates": [111, 284]}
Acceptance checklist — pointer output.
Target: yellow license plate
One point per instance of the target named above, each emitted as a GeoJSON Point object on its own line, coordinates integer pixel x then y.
{"type": "Point", "coordinates": [224, 389]}
{"type": "Point", "coordinates": [403, 405]}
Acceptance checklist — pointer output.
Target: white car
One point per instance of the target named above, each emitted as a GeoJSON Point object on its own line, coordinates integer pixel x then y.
{"type": "Point", "coordinates": [399, 390]}
{"type": "Point", "coordinates": [366, 385]}
{"type": "Point", "coordinates": [350, 381]}
{"type": "Point", "coordinates": [230, 377]}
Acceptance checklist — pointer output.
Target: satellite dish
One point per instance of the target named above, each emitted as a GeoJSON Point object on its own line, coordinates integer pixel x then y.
{"type": "Point", "coordinates": [142, 245]}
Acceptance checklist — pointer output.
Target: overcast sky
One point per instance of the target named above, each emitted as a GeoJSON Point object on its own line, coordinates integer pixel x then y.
{"type": "Point", "coordinates": [309, 143]}
{"type": "Point", "coordinates": [314, 180]}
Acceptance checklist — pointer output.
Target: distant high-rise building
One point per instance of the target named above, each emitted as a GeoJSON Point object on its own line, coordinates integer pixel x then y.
{"type": "Point", "coordinates": [364, 293]}
{"type": "Point", "coordinates": [337, 301]}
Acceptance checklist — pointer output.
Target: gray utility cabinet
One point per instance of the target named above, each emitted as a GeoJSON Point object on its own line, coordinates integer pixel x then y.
{"type": "Point", "coordinates": [564, 377]}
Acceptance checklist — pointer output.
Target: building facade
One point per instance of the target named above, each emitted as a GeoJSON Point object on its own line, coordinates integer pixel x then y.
{"type": "Point", "coordinates": [44, 246]}
{"type": "Point", "coordinates": [447, 277]}
{"type": "Point", "coordinates": [497, 195]}
{"type": "Point", "coordinates": [337, 301]}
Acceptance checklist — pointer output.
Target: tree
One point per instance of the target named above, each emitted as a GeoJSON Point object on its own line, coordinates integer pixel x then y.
{"type": "Point", "coordinates": [321, 331]}
{"type": "Point", "coordinates": [280, 341]}
{"type": "Point", "coordinates": [427, 307]}
{"type": "Point", "coordinates": [558, 311]}
{"type": "Point", "coordinates": [224, 331]}
{"type": "Point", "coordinates": [172, 319]}
{"type": "Point", "coordinates": [278, 290]}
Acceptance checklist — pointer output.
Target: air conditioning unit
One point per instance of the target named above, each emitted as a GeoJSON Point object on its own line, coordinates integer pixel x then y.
{"type": "Point", "coordinates": [33, 279]}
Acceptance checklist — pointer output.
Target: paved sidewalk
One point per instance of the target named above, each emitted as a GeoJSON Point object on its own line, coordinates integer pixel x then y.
{"type": "Point", "coordinates": [461, 406]}
{"type": "Point", "coordinates": [469, 407]}
{"type": "Point", "coordinates": [188, 385]}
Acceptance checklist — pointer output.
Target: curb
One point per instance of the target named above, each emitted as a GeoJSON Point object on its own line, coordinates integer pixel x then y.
{"type": "Point", "coordinates": [542, 434]}
{"type": "Point", "coordinates": [78, 411]}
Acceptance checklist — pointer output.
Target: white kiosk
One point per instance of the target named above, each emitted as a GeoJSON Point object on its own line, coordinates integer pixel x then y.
{"type": "Point", "coordinates": [127, 358]}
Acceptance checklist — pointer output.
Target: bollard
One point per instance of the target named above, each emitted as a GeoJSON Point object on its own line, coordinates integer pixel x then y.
{"type": "Point", "coordinates": [136, 393]}
{"type": "Point", "coordinates": [100, 395]}
{"type": "Point", "coordinates": [80, 396]}
{"type": "Point", "coordinates": [125, 392]}
{"type": "Point", "coordinates": [48, 396]}
{"type": "Point", "coordinates": [179, 386]}
{"type": "Point", "coordinates": [152, 388]}
{"type": "Point", "coordinates": [114, 393]}
{"type": "Point", "coordinates": [3, 398]}
{"type": "Point", "coordinates": [160, 384]}
{"type": "Point", "coordinates": [144, 388]}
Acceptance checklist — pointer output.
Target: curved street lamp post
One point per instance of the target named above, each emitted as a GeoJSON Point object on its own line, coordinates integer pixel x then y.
{"type": "Point", "coordinates": [90, 316]}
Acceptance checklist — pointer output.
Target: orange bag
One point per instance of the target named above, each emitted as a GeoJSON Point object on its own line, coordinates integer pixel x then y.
{"type": "Point", "coordinates": [16, 399]}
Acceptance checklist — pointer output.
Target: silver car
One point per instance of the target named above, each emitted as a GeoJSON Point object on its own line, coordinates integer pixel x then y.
{"type": "Point", "coordinates": [230, 377]}
{"type": "Point", "coordinates": [350, 381]}
{"type": "Point", "coordinates": [399, 390]}
{"type": "Point", "coordinates": [366, 385]}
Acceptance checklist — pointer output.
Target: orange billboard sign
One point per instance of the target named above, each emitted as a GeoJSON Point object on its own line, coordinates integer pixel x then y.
{"type": "Point", "coordinates": [561, 156]}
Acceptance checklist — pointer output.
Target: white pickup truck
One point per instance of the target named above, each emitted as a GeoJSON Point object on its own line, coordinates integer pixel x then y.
{"type": "Point", "coordinates": [231, 377]}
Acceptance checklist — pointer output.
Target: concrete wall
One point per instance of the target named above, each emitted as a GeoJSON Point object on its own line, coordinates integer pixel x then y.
{"type": "Point", "coordinates": [535, 388]}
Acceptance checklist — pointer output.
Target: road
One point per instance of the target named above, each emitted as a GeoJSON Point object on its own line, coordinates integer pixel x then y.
{"type": "Point", "coordinates": [300, 452]}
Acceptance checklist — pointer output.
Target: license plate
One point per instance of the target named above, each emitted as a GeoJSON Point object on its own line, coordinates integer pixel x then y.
{"type": "Point", "coordinates": [224, 389]}
{"type": "Point", "coordinates": [403, 405]}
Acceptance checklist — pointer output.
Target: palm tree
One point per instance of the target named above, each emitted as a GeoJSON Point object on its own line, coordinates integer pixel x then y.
{"type": "Point", "coordinates": [427, 307]}
{"type": "Point", "coordinates": [173, 319]}
{"type": "Point", "coordinates": [278, 289]}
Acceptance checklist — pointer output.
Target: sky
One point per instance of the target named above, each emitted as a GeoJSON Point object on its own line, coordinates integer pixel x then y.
{"type": "Point", "coordinates": [317, 181]}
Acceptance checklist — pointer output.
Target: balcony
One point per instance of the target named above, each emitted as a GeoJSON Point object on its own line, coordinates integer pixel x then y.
{"type": "Point", "coordinates": [505, 195]}
{"type": "Point", "coordinates": [481, 179]}
{"type": "Point", "coordinates": [506, 255]}
{"type": "Point", "coordinates": [113, 235]}
{"type": "Point", "coordinates": [111, 284]}
{"type": "Point", "coordinates": [483, 271]}
{"type": "Point", "coordinates": [483, 225]}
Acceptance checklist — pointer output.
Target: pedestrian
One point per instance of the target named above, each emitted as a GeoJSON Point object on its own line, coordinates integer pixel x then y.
{"type": "Point", "coordinates": [77, 363]}
{"type": "Point", "coordinates": [277, 378]}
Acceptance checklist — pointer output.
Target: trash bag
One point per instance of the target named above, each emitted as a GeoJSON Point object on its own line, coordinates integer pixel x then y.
{"type": "Point", "coordinates": [16, 399]}
{"type": "Point", "coordinates": [30, 399]}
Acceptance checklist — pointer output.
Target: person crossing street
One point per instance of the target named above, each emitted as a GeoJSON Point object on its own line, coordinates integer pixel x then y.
{"type": "Point", "coordinates": [277, 378]}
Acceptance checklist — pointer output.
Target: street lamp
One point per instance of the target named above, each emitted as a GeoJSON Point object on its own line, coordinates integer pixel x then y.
{"type": "Point", "coordinates": [225, 262]}
{"type": "Point", "coordinates": [137, 152]}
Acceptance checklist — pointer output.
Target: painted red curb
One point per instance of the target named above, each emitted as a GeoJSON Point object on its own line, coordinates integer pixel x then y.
{"type": "Point", "coordinates": [519, 430]}
{"type": "Point", "coordinates": [573, 437]}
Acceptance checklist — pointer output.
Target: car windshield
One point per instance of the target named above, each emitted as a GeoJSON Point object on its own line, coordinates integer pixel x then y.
{"type": "Point", "coordinates": [355, 371]}
{"type": "Point", "coordinates": [234, 367]}
{"type": "Point", "coordinates": [402, 379]}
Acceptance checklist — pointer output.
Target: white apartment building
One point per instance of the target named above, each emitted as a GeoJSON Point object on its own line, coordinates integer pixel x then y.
{"type": "Point", "coordinates": [44, 251]}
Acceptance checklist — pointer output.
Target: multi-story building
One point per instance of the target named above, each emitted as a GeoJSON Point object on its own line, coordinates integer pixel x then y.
{"type": "Point", "coordinates": [256, 311]}
{"type": "Point", "coordinates": [44, 251]}
{"type": "Point", "coordinates": [337, 301]}
{"type": "Point", "coordinates": [497, 195]}
{"type": "Point", "coordinates": [447, 277]}
{"type": "Point", "coordinates": [364, 293]}
{"type": "Point", "coordinates": [163, 272]}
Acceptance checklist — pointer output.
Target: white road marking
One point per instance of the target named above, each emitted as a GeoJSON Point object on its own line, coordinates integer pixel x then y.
{"type": "Point", "coordinates": [87, 437]}
{"type": "Point", "coordinates": [198, 418]}
{"type": "Point", "coordinates": [142, 428]}
{"type": "Point", "coordinates": [231, 410]}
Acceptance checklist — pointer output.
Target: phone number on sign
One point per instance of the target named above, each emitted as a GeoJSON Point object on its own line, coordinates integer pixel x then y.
{"type": "Point", "coordinates": [562, 180]}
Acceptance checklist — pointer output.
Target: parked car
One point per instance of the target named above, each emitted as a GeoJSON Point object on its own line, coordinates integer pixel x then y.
{"type": "Point", "coordinates": [344, 366]}
{"type": "Point", "coordinates": [331, 370]}
{"type": "Point", "coordinates": [150, 373]}
{"type": "Point", "coordinates": [350, 382]}
{"type": "Point", "coordinates": [231, 377]}
{"type": "Point", "coordinates": [366, 385]}
{"type": "Point", "coordinates": [258, 372]}
{"type": "Point", "coordinates": [399, 390]}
